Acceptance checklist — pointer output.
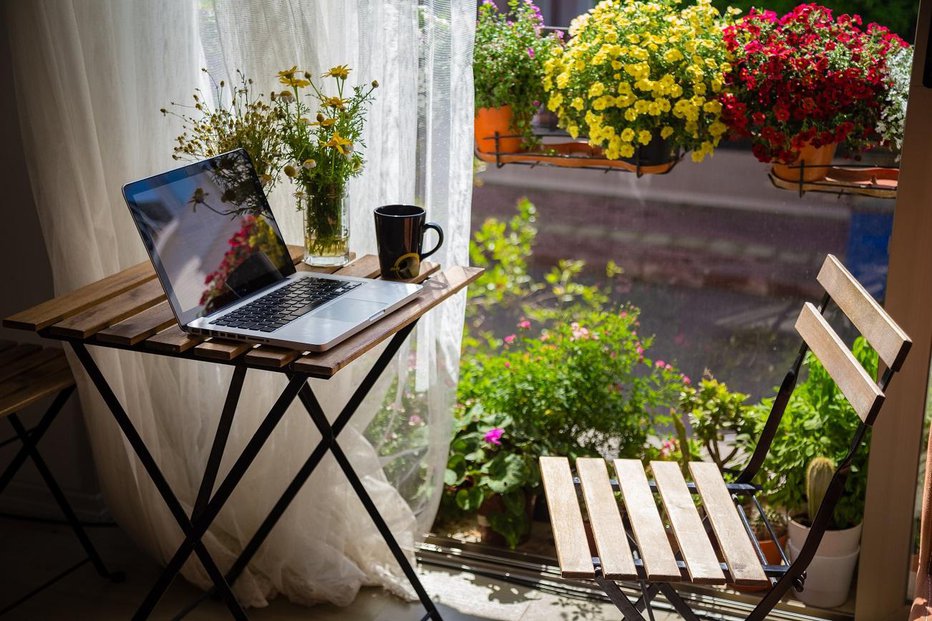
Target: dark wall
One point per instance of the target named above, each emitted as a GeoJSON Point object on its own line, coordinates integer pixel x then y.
{"type": "Point", "coordinates": [25, 280]}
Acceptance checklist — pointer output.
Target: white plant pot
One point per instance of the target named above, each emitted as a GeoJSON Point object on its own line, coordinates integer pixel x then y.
{"type": "Point", "coordinates": [828, 577]}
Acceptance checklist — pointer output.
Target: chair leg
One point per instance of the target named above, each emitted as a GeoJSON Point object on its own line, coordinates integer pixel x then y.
{"type": "Point", "coordinates": [618, 598]}
{"type": "Point", "coordinates": [62, 501]}
{"type": "Point", "coordinates": [677, 602]}
{"type": "Point", "coordinates": [35, 434]}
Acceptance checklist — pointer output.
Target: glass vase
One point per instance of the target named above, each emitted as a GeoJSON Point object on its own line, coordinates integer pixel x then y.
{"type": "Point", "coordinates": [326, 226]}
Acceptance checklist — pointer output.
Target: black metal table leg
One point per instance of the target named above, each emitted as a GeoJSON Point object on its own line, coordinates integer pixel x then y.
{"type": "Point", "coordinates": [206, 517]}
{"type": "Point", "coordinates": [327, 438]}
{"type": "Point", "coordinates": [220, 441]}
{"type": "Point", "coordinates": [158, 479]}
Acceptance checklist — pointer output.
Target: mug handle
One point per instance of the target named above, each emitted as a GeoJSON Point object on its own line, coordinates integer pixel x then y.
{"type": "Point", "coordinates": [436, 227]}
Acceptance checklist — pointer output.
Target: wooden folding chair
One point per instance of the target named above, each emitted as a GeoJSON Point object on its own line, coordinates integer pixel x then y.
{"type": "Point", "coordinates": [713, 543]}
{"type": "Point", "coordinates": [31, 374]}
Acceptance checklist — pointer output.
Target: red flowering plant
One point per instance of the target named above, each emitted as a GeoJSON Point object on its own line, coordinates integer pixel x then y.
{"type": "Point", "coordinates": [806, 77]}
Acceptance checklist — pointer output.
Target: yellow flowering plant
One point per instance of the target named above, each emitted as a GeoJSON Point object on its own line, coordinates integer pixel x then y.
{"type": "Point", "coordinates": [636, 73]}
{"type": "Point", "coordinates": [323, 139]}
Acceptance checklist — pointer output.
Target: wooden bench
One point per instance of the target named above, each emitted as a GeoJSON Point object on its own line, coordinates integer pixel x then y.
{"type": "Point", "coordinates": [669, 530]}
{"type": "Point", "coordinates": [29, 374]}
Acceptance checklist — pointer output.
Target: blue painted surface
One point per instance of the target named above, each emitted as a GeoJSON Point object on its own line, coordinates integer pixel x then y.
{"type": "Point", "coordinates": [867, 255]}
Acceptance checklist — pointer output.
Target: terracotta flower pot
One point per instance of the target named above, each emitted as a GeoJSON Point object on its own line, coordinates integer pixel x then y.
{"type": "Point", "coordinates": [492, 120]}
{"type": "Point", "coordinates": [810, 166]}
{"type": "Point", "coordinates": [772, 554]}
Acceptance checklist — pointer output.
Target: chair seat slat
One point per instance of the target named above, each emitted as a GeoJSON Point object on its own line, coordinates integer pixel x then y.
{"type": "Point", "coordinates": [701, 562]}
{"type": "Point", "coordinates": [853, 381]}
{"type": "Point", "coordinates": [566, 518]}
{"type": "Point", "coordinates": [605, 520]}
{"type": "Point", "coordinates": [742, 560]}
{"type": "Point", "coordinates": [884, 335]}
{"type": "Point", "coordinates": [653, 545]}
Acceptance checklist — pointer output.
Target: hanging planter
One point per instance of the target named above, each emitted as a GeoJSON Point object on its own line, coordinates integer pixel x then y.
{"type": "Point", "coordinates": [811, 165]}
{"type": "Point", "coordinates": [508, 68]}
{"type": "Point", "coordinates": [808, 77]}
{"type": "Point", "coordinates": [638, 78]}
{"type": "Point", "coordinates": [495, 132]}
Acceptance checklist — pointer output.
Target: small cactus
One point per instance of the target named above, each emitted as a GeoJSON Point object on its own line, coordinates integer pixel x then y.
{"type": "Point", "coordinates": [819, 474]}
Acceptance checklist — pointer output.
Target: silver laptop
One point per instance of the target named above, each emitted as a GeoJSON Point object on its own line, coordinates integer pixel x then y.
{"type": "Point", "coordinates": [226, 270]}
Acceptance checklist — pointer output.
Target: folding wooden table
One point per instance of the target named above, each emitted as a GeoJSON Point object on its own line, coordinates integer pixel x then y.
{"type": "Point", "coordinates": [129, 311]}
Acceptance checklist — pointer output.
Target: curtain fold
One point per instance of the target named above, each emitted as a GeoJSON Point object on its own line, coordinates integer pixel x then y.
{"type": "Point", "coordinates": [90, 80]}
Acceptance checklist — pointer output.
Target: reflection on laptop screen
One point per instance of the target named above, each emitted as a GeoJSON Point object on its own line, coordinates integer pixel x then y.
{"type": "Point", "coordinates": [210, 233]}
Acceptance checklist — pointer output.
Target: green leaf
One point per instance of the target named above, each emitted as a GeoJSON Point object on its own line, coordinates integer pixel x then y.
{"type": "Point", "coordinates": [504, 473]}
{"type": "Point", "coordinates": [470, 499]}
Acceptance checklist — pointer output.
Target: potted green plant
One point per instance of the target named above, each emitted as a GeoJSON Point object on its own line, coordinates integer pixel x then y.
{"type": "Point", "coordinates": [581, 387]}
{"type": "Point", "coordinates": [804, 83]}
{"type": "Point", "coordinates": [508, 57]}
{"type": "Point", "coordinates": [815, 433]}
{"type": "Point", "coordinates": [641, 79]}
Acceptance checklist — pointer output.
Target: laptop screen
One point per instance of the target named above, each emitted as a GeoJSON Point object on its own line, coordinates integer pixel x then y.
{"type": "Point", "coordinates": [209, 232]}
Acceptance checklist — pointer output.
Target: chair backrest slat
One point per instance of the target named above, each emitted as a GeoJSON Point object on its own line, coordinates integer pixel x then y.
{"type": "Point", "coordinates": [884, 335]}
{"type": "Point", "coordinates": [853, 381]}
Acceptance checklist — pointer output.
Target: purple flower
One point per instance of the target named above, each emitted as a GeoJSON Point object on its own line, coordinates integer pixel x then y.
{"type": "Point", "coordinates": [530, 52]}
{"type": "Point", "coordinates": [494, 436]}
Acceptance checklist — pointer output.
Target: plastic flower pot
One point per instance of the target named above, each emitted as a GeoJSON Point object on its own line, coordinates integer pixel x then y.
{"type": "Point", "coordinates": [492, 120]}
{"type": "Point", "coordinates": [828, 577]}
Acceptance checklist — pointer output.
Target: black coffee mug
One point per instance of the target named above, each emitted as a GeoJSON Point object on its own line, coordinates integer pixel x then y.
{"type": "Point", "coordinates": [399, 232]}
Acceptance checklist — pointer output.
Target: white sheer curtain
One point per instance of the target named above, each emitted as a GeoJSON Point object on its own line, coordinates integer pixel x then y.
{"type": "Point", "coordinates": [90, 79]}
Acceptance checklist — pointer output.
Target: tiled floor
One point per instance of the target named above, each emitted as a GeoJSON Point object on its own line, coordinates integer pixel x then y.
{"type": "Point", "coordinates": [31, 553]}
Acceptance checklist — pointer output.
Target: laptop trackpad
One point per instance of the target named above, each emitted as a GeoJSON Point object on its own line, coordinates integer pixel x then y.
{"type": "Point", "coordinates": [351, 310]}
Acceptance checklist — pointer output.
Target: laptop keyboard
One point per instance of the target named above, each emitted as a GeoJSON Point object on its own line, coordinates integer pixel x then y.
{"type": "Point", "coordinates": [284, 305]}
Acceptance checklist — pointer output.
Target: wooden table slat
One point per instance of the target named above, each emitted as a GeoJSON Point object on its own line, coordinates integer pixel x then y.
{"type": "Point", "coordinates": [701, 561]}
{"type": "Point", "coordinates": [111, 311]}
{"type": "Point", "coordinates": [55, 310]}
{"type": "Point", "coordinates": [140, 326]}
{"type": "Point", "coordinates": [605, 520]}
{"type": "Point", "coordinates": [27, 362]}
{"type": "Point", "coordinates": [172, 340]}
{"type": "Point", "coordinates": [742, 560]}
{"type": "Point", "coordinates": [222, 349]}
{"type": "Point", "coordinates": [659, 561]}
{"type": "Point", "coordinates": [437, 289]}
{"type": "Point", "coordinates": [363, 267]}
{"type": "Point", "coordinates": [566, 519]}
{"type": "Point", "coordinates": [271, 356]}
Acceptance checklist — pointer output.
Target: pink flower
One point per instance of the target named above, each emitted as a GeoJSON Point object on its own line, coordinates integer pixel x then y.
{"type": "Point", "coordinates": [686, 380]}
{"type": "Point", "coordinates": [415, 420]}
{"type": "Point", "coordinates": [510, 339]}
{"type": "Point", "coordinates": [494, 436]}
{"type": "Point", "coordinates": [507, 365]}
{"type": "Point", "coordinates": [660, 364]}
{"type": "Point", "coordinates": [530, 52]}
{"type": "Point", "coordinates": [579, 332]}
{"type": "Point", "coordinates": [524, 324]}
{"type": "Point", "coordinates": [640, 350]}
